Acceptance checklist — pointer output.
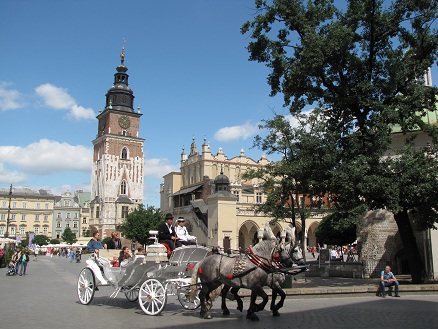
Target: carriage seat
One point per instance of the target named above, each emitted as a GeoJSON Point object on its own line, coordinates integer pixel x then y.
{"type": "Point", "coordinates": [109, 253]}
{"type": "Point", "coordinates": [156, 253]}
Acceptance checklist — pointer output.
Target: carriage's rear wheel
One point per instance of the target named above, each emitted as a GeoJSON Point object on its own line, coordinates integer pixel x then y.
{"type": "Point", "coordinates": [189, 303]}
{"type": "Point", "coordinates": [152, 297]}
{"type": "Point", "coordinates": [86, 286]}
{"type": "Point", "coordinates": [132, 295]}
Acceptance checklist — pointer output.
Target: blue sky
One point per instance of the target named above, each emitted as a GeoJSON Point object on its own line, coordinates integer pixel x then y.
{"type": "Point", "coordinates": [188, 68]}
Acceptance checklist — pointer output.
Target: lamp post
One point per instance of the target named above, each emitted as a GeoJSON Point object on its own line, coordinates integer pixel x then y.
{"type": "Point", "coordinates": [9, 212]}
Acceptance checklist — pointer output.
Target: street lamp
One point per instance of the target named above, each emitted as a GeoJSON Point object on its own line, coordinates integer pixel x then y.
{"type": "Point", "coordinates": [9, 212]}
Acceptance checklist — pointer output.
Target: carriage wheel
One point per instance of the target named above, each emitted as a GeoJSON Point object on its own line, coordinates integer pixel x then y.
{"type": "Point", "coordinates": [189, 303]}
{"type": "Point", "coordinates": [152, 297]}
{"type": "Point", "coordinates": [86, 286]}
{"type": "Point", "coordinates": [132, 295]}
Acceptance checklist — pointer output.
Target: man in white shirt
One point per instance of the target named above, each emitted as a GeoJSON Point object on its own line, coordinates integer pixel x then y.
{"type": "Point", "coordinates": [184, 238]}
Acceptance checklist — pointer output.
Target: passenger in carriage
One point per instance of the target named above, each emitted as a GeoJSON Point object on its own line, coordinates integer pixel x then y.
{"type": "Point", "coordinates": [166, 232]}
{"type": "Point", "coordinates": [124, 255]}
{"type": "Point", "coordinates": [141, 251]}
{"type": "Point", "coordinates": [184, 238]}
{"type": "Point", "coordinates": [95, 244]}
{"type": "Point", "coordinates": [115, 242]}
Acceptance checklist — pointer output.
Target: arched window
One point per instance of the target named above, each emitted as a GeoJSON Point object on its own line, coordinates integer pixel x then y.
{"type": "Point", "coordinates": [123, 188]}
{"type": "Point", "coordinates": [124, 153]}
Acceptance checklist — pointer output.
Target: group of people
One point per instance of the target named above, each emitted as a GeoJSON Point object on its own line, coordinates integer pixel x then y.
{"type": "Point", "coordinates": [95, 244]}
{"type": "Point", "coordinates": [174, 236]}
{"type": "Point", "coordinates": [19, 261]}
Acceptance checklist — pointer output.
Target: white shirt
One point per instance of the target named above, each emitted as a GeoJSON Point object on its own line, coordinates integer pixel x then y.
{"type": "Point", "coordinates": [183, 235]}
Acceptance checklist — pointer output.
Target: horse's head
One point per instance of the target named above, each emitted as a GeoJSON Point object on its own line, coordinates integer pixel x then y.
{"type": "Point", "coordinates": [282, 255]}
{"type": "Point", "coordinates": [293, 248]}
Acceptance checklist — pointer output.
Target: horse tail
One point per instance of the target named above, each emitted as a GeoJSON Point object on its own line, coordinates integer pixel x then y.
{"type": "Point", "coordinates": [194, 281]}
{"type": "Point", "coordinates": [216, 292]}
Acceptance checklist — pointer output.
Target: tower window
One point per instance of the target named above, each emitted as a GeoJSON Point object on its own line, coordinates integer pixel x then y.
{"type": "Point", "coordinates": [124, 153]}
{"type": "Point", "coordinates": [123, 188]}
{"type": "Point", "coordinates": [114, 99]}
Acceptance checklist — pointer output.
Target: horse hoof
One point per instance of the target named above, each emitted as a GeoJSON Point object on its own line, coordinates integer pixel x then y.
{"type": "Point", "coordinates": [226, 312]}
{"type": "Point", "coordinates": [208, 316]}
{"type": "Point", "coordinates": [275, 313]}
{"type": "Point", "coordinates": [254, 317]}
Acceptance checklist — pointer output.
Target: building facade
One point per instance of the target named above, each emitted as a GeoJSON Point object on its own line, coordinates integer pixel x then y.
{"type": "Point", "coordinates": [84, 204]}
{"type": "Point", "coordinates": [217, 203]}
{"type": "Point", "coordinates": [118, 160]}
{"type": "Point", "coordinates": [27, 210]}
{"type": "Point", "coordinates": [66, 213]}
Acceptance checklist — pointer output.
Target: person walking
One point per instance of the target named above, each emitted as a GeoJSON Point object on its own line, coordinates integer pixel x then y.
{"type": "Point", "coordinates": [24, 260]}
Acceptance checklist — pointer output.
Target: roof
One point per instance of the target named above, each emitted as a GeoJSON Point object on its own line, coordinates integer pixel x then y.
{"type": "Point", "coordinates": [124, 199]}
{"type": "Point", "coordinates": [188, 190]}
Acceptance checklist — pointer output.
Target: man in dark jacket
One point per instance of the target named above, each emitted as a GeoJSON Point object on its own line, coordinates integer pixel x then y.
{"type": "Point", "coordinates": [166, 232]}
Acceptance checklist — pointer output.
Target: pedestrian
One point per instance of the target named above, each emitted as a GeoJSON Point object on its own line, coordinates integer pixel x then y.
{"type": "Point", "coordinates": [36, 251]}
{"type": "Point", "coordinates": [24, 260]}
{"type": "Point", "coordinates": [388, 279]}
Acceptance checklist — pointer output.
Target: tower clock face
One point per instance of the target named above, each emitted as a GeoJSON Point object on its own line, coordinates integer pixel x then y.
{"type": "Point", "coordinates": [124, 122]}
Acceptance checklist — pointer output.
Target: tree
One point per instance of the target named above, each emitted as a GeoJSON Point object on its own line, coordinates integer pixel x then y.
{"type": "Point", "coordinates": [363, 66]}
{"type": "Point", "coordinates": [54, 241]}
{"type": "Point", "coordinates": [41, 240]}
{"type": "Point", "coordinates": [139, 222]}
{"type": "Point", "coordinates": [68, 236]}
{"type": "Point", "coordinates": [304, 150]}
{"type": "Point", "coordinates": [338, 228]}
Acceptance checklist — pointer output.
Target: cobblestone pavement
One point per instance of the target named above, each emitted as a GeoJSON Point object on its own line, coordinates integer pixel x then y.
{"type": "Point", "coordinates": [47, 298]}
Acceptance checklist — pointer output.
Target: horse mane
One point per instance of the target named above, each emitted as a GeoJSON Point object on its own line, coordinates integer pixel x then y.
{"type": "Point", "coordinates": [290, 233]}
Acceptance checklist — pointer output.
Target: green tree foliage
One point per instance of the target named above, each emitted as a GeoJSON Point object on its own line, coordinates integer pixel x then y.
{"type": "Point", "coordinates": [298, 175]}
{"type": "Point", "coordinates": [54, 241]}
{"type": "Point", "coordinates": [339, 228]}
{"type": "Point", "coordinates": [140, 221]}
{"type": "Point", "coordinates": [68, 236]}
{"type": "Point", "coordinates": [41, 240]}
{"type": "Point", "coordinates": [363, 67]}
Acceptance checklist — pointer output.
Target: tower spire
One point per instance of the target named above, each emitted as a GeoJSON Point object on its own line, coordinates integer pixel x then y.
{"type": "Point", "coordinates": [122, 55]}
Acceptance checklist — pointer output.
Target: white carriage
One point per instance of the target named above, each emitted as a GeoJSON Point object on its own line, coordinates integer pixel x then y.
{"type": "Point", "coordinates": [148, 278]}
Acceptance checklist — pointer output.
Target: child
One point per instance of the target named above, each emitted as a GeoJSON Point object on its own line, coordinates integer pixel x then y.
{"type": "Point", "coordinates": [115, 262]}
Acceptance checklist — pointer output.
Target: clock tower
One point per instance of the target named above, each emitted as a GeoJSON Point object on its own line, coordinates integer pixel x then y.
{"type": "Point", "coordinates": [118, 161]}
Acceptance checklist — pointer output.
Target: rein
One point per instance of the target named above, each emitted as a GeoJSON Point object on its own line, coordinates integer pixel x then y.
{"type": "Point", "coordinates": [260, 262]}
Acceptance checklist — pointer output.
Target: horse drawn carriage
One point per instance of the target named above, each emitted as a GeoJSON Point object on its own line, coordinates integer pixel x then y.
{"type": "Point", "coordinates": [148, 278]}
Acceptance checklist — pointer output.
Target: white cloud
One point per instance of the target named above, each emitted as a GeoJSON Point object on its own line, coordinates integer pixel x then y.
{"type": "Point", "coordinates": [48, 157]}
{"type": "Point", "coordinates": [79, 113]}
{"type": "Point", "coordinates": [55, 97]}
{"type": "Point", "coordinates": [244, 131]}
{"type": "Point", "coordinates": [13, 177]}
{"type": "Point", "coordinates": [59, 99]}
{"type": "Point", "coordinates": [10, 99]}
{"type": "Point", "coordinates": [158, 167]}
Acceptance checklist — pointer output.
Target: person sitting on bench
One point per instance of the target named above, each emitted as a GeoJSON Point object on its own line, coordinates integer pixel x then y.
{"type": "Point", "coordinates": [388, 279]}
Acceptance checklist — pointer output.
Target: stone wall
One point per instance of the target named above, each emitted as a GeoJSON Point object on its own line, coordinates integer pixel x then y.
{"type": "Point", "coordinates": [378, 242]}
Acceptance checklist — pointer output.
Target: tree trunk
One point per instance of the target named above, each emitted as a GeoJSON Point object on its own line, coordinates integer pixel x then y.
{"type": "Point", "coordinates": [410, 245]}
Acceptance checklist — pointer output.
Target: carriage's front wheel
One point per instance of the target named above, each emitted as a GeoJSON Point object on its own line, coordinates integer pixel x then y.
{"type": "Point", "coordinates": [86, 286]}
{"type": "Point", "coordinates": [189, 303]}
{"type": "Point", "coordinates": [152, 297]}
{"type": "Point", "coordinates": [132, 295]}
